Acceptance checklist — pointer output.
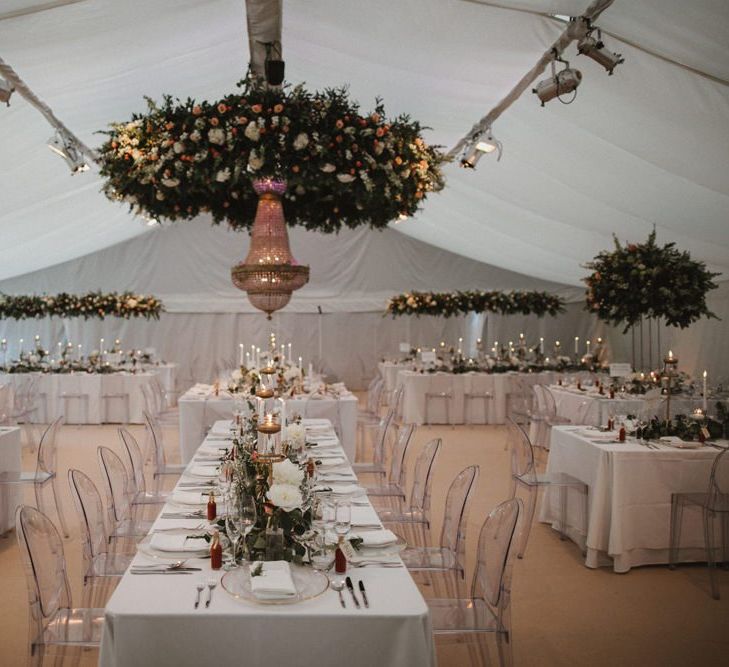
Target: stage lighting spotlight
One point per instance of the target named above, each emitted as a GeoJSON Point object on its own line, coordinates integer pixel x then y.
{"type": "Point", "coordinates": [560, 83]}
{"type": "Point", "coordinates": [6, 90]}
{"type": "Point", "coordinates": [595, 49]}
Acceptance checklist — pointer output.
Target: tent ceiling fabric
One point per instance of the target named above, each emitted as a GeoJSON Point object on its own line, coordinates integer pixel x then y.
{"type": "Point", "coordinates": [645, 146]}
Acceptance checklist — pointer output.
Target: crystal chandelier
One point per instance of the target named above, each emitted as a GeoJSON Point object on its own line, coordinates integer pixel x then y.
{"type": "Point", "coordinates": [269, 273]}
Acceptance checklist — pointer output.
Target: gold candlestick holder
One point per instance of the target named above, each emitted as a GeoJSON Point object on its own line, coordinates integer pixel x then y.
{"type": "Point", "coordinates": [670, 364]}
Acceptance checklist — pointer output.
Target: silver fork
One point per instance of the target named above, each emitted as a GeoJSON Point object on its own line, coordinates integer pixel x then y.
{"type": "Point", "coordinates": [212, 583]}
{"type": "Point", "coordinates": [199, 587]}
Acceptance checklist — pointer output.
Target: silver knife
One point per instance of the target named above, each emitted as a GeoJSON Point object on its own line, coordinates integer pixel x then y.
{"type": "Point", "coordinates": [350, 586]}
{"type": "Point", "coordinates": [364, 594]}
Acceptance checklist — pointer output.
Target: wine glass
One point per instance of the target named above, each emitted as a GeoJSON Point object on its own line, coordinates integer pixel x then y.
{"type": "Point", "coordinates": [232, 528]}
{"type": "Point", "coordinates": [245, 516]}
{"type": "Point", "coordinates": [342, 517]}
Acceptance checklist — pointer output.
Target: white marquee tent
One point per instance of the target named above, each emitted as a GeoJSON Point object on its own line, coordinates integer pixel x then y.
{"type": "Point", "coordinates": [647, 146]}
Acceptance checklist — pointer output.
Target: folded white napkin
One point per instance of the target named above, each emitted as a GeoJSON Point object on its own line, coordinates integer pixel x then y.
{"type": "Point", "coordinates": [189, 497]}
{"type": "Point", "coordinates": [375, 538]}
{"type": "Point", "coordinates": [364, 515]}
{"type": "Point", "coordinates": [204, 471]}
{"type": "Point", "coordinates": [329, 460]}
{"type": "Point", "coordinates": [166, 542]}
{"type": "Point", "coordinates": [315, 422]}
{"type": "Point", "coordinates": [274, 582]}
{"type": "Point", "coordinates": [340, 489]}
{"type": "Point", "coordinates": [675, 441]}
{"type": "Point", "coordinates": [221, 427]}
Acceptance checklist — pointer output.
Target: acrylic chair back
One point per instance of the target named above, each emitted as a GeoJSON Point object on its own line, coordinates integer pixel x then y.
{"type": "Point", "coordinates": [90, 511]}
{"type": "Point", "coordinates": [136, 461]}
{"type": "Point", "coordinates": [397, 464]}
{"type": "Point", "coordinates": [47, 458]}
{"type": "Point", "coordinates": [455, 519]}
{"type": "Point", "coordinates": [41, 551]}
{"type": "Point", "coordinates": [495, 556]}
{"type": "Point", "coordinates": [719, 480]}
{"type": "Point", "coordinates": [154, 433]}
{"type": "Point", "coordinates": [522, 453]}
{"type": "Point", "coordinates": [374, 395]}
{"type": "Point", "coordinates": [116, 484]}
{"type": "Point", "coordinates": [378, 455]}
{"type": "Point", "coordinates": [550, 404]}
{"type": "Point", "coordinates": [396, 402]}
{"type": "Point", "coordinates": [423, 477]}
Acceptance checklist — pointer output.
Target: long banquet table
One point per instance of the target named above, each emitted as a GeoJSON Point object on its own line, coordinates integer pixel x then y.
{"type": "Point", "coordinates": [630, 487]}
{"type": "Point", "coordinates": [10, 462]}
{"type": "Point", "coordinates": [500, 385]}
{"type": "Point", "coordinates": [200, 409]}
{"type": "Point", "coordinates": [150, 620]}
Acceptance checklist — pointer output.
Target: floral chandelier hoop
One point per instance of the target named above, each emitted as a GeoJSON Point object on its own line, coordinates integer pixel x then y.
{"type": "Point", "coordinates": [343, 168]}
{"type": "Point", "coordinates": [647, 280]}
{"type": "Point", "coordinates": [90, 305]}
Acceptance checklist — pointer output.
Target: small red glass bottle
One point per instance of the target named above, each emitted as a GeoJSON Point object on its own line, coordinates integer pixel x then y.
{"type": "Point", "coordinates": [621, 433]}
{"type": "Point", "coordinates": [212, 507]}
{"type": "Point", "coordinates": [340, 560]}
{"type": "Point", "coordinates": [216, 552]}
{"type": "Point", "coordinates": [612, 392]}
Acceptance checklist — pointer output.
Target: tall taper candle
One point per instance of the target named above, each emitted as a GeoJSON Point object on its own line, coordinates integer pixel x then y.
{"type": "Point", "coordinates": [577, 344]}
{"type": "Point", "coordinates": [705, 398]}
{"type": "Point", "coordinates": [291, 359]}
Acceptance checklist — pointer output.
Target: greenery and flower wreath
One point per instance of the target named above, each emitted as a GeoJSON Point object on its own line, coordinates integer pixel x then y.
{"type": "Point", "coordinates": [447, 304]}
{"type": "Point", "coordinates": [342, 167]}
{"type": "Point", "coordinates": [647, 280]}
{"type": "Point", "coordinates": [91, 305]}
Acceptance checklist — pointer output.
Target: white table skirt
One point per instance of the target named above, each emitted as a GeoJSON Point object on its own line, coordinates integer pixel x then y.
{"type": "Point", "coordinates": [150, 620]}
{"type": "Point", "coordinates": [388, 371]}
{"type": "Point", "coordinates": [630, 490]}
{"type": "Point", "coordinates": [92, 398]}
{"type": "Point", "coordinates": [10, 462]}
{"type": "Point", "coordinates": [573, 404]}
{"type": "Point", "coordinates": [199, 413]}
{"type": "Point", "coordinates": [460, 411]}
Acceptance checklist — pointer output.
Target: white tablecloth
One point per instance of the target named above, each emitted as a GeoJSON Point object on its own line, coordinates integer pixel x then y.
{"type": "Point", "coordinates": [573, 404]}
{"type": "Point", "coordinates": [630, 490]}
{"type": "Point", "coordinates": [459, 411]}
{"type": "Point", "coordinates": [199, 412]}
{"type": "Point", "coordinates": [389, 370]}
{"type": "Point", "coordinates": [92, 397]}
{"type": "Point", "coordinates": [150, 620]}
{"type": "Point", "coordinates": [10, 462]}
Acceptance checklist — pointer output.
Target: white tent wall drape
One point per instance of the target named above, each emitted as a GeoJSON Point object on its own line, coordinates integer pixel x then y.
{"type": "Point", "coordinates": [353, 275]}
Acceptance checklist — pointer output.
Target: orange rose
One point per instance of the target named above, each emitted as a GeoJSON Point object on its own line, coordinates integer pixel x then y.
{"type": "Point", "coordinates": [169, 125]}
{"type": "Point", "coordinates": [339, 124]}
{"type": "Point", "coordinates": [196, 110]}
{"type": "Point", "coordinates": [379, 132]}
{"type": "Point", "coordinates": [398, 160]}
{"type": "Point", "coordinates": [214, 121]}
{"type": "Point", "coordinates": [339, 138]}
{"type": "Point", "coordinates": [278, 108]}
{"type": "Point", "coordinates": [295, 168]}
{"type": "Point", "coordinates": [256, 108]}
{"type": "Point", "coordinates": [222, 108]}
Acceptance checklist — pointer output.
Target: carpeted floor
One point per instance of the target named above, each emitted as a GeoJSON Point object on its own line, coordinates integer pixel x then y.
{"type": "Point", "coordinates": [563, 613]}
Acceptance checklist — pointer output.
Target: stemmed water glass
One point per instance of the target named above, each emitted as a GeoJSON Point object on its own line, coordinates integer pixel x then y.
{"type": "Point", "coordinates": [342, 517]}
{"type": "Point", "coordinates": [240, 517]}
{"type": "Point", "coordinates": [246, 516]}
{"type": "Point", "coordinates": [323, 516]}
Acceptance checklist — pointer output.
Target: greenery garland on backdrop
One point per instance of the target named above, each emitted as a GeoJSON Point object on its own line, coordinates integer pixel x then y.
{"type": "Point", "coordinates": [91, 305]}
{"type": "Point", "coordinates": [646, 280]}
{"type": "Point", "coordinates": [342, 167]}
{"type": "Point", "coordinates": [447, 304]}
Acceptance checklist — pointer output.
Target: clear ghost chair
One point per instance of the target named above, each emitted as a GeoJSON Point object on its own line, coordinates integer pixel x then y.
{"type": "Point", "coordinates": [44, 474]}
{"type": "Point", "coordinates": [713, 504]}
{"type": "Point", "coordinates": [136, 462]}
{"type": "Point", "coordinates": [480, 390]}
{"type": "Point", "coordinates": [449, 557]}
{"type": "Point", "coordinates": [55, 623]}
{"type": "Point", "coordinates": [377, 466]}
{"type": "Point", "coordinates": [121, 518]}
{"type": "Point", "coordinates": [440, 389]}
{"type": "Point", "coordinates": [417, 515]}
{"type": "Point", "coordinates": [99, 561]}
{"type": "Point", "coordinates": [368, 420]}
{"type": "Point", "coordinates": [394, 486]}
{"type": "Point", "coordinates": [524, 476]}
{"type": "Point", "coordinates": [488, 609]}
{"type": "Point", "coordinates": [160, 466]}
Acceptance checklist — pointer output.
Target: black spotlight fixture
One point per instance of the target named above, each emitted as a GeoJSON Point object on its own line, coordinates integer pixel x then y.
{"type": "Point", "coordinates": [273, 66]}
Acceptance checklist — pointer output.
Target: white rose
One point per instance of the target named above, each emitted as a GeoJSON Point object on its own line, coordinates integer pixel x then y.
{"type": "Point", "coordinates": [223, 175]}
{"type": "Point", "coordinates": [131, 303]}
{"type": "Point", "coordinates": [328, 168]}
{"type": "Point", "coordinates": [216, 136]}
{"type": "Point", "coordinates": [285, 496]}
{"type": "Point", "coordinates": [286, 472]}
{"type": "Point", "coordinates": [292, 373]}
{"type": "Point", "coordinates": [195, 136]}
{"type": "Point", "coordinates": [178, 147]}
{"type": "Point", "coordinates": [296, 434]}
{"type": "Point", "coordinates": [236, 374]}
{"type": "Point", "coordinates": [170, 182]}
{"type": "Point", "coordinates": [345, 178]}
{"type": "Point", "coordinates": [254, 162]}
{"type": "Point", "coordinates": [252, 131]}
{"type": "Point", "coordinates": [301, 141]}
